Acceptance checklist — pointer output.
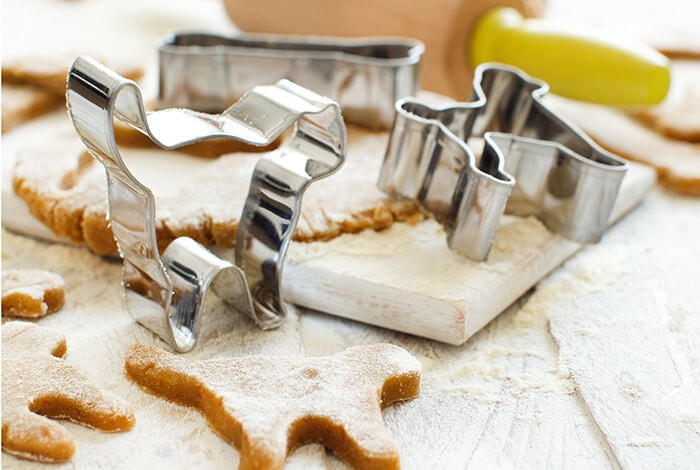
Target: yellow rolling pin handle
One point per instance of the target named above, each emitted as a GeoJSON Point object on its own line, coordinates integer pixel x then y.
{"type": "Point", "coordinates": [575, 63]}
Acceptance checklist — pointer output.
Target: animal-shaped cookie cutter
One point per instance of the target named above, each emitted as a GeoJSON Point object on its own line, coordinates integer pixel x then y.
{"type": "Point", "coordinates": [166, 293]}
{"type": "Point", "coordinates": [207, 72]}
{"type": "Point", "coordinates": [534, 162]}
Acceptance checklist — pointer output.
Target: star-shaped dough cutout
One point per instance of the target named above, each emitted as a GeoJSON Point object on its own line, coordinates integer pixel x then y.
{"type": "Point", "coordinates": [36, 381]}
{"type": "Point", "coordinates": [267, 406]}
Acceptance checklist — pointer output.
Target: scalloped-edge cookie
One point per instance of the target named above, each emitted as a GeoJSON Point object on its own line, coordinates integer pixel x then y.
{"type": "Point", "coordinates": [65, 189]}
{"type": "Point", "coordinates": [31, 293]}
{"type": "Point", "coordinates": [267, 406]}
{"type": "Point", "coordinates": [37, 384]}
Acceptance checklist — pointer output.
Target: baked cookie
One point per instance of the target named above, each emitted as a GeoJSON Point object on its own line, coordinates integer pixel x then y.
{"type": "Point", "coordinates": [267, 406]}
{"type": "Point", "coordinates": [31, 293]}
{"type": "Point", "coordinates": [65, 189]}
{"type": "Point", "coordinates": [37, 384]}
{"type": "Point", "coordinates": [677, 163]}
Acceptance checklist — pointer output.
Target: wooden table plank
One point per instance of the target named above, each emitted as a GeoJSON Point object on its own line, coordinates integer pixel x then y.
{"type": "Point", "coordinates": [614, 338]}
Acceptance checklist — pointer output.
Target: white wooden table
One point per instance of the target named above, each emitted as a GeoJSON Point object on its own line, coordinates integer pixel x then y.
{"type": "Point", "coordinates": [598, 368]}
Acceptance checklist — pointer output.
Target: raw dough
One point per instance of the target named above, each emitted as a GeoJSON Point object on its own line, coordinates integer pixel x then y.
{"type": "Point", "coordinates": [37, 384]}
{"type": "Point", "coordinates": [65, 189]}
{"type": "Point", "coordinates": [267, 406]}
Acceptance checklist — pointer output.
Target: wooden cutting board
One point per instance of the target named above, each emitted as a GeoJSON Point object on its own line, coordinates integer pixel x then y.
{"type": "Point", "coordinates": [404, 278]}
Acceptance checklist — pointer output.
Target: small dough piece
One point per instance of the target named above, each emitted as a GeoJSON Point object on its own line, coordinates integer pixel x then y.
{"type": "Point", "coordinates": [64, 187]}
{"type": "Point", "coordinates": [31, 293]}
{"type": "Point", "coordinates": [37, 384]}
{"type": "Point", "coordinates": [267, 406]}
{"type": "Point", "coordinates": [677, 163]}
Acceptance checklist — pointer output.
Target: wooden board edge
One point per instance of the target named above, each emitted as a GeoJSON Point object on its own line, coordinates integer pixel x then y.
{"type": "Point", "coordinates": [364, 301]}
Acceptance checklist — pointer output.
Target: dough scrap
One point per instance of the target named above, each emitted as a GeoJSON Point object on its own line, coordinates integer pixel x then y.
{"type": "Point", "coordinates": [37, 384]}
{"type": "Point", "coordinates": [267, 406]}
{"type": "Point", "coordinates": [677, 163]}
{"type": "Point", "coordinates": [64, 187]}
{"type": "Point", "coordinates": [31, 293]}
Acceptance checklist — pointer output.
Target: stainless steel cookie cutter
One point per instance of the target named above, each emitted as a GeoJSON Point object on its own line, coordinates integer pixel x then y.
{"type": "Point", "coordinates": [534, 162]}
{"type": "Point", "coordinates": [166, 293]}
{"type": "Point", "coordinates": [206, 72]}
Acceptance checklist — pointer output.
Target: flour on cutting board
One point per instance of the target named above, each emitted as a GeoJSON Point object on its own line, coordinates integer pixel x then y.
{"type": "Point", "coordinates": [506, 388]}
{"type": "Point", "coordinates": [432, 269]}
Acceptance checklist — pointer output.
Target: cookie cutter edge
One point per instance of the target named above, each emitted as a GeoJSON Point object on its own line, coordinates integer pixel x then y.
{"type": "Point", "coordinates": [167, 293]}
{"type": "Point", "coordinates": [428, 160]}
{"type": "Point", "coordinates": [365, 76]}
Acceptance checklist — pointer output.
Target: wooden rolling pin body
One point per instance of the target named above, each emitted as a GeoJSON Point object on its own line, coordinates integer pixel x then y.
{"type": "Point", "coordinates": [445, 26]}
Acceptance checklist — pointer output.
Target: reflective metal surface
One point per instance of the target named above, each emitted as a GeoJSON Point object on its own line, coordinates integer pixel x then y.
{"type": "Point", "coordinates": [167, 293]}
{"type": "Point", "coordinates": [534, 162]}
{"type": "Point", "coordinates": [207, 72]}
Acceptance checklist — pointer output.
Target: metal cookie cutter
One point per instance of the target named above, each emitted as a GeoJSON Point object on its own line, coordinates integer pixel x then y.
{"type": "Point", "coordinates": [533, 162]}
{"type": "Point", "coordinates": [207, 72]}
{"type": "Point", "coordinates": [166, 293]}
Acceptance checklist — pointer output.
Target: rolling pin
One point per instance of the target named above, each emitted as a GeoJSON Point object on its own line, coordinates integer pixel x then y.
{"type": "Point", "coordinates": [460, 34]}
